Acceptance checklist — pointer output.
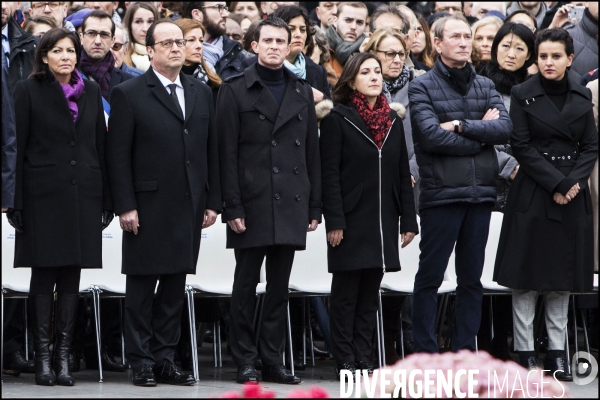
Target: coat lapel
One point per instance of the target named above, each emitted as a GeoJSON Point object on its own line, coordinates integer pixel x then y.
{"type": "Point", "coordinates": [266, 104]}
{"type": "Point", "coordinates": [351, 115]}
{"type": "Point", "coordinates": [291, 106]}
{"type": "Point", "coordinates": [577, 104]}
{"type": "Point", "coordinates": [57, 97]}
{"type": "Point", "coordinates": [161, 93]}
{"type": "Point", "coordinates": [190, 94]}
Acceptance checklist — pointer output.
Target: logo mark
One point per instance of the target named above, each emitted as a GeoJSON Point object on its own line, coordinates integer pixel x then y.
{"type": "Point", "coordinates": [584, 367]}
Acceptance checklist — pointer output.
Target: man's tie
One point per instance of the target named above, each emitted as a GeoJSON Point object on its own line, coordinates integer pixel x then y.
{"type": "Point", "coordinates": [173, 88]}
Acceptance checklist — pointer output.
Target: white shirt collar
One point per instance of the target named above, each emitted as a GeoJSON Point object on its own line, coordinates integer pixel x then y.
{"type": "Point", "coordinates": [5, 30]}
{"type": "Point", "coordinates": [166, 81]}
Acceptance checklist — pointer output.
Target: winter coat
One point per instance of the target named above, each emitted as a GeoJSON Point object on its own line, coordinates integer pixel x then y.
{"type": "Point", "coordinates": [584, 35]}
{"type": "Point", "coordinates": [270, 164]}
{"type": "Point", "coordinates": [593, 86]}
{"type": "Point", "coordinates": [366, 191]}
{"type": "Point", "coordinates": [9, 143]}
{"type": "Point", "coordinates": [22, 52]}
{"type": "Point", "coordinates": [232, 62]}
{"type": "Point", "coordinates": [456, 167]}
{"type": "Point", "coordinates": [164, 166]}
{"type": "Point", "coordinates": [61, 186]}
{"type": "Point", "coordinates": [545, 246]}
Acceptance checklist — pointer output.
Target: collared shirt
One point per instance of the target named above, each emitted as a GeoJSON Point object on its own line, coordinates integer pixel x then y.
{"type": "Point", "coordinates": [179, 91]}
{"type": "Point", "coordinates": [5, 43]}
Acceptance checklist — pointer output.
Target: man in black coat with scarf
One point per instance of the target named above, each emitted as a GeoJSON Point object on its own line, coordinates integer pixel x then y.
{"type": "Point", "coordinates": [271, 182]}
{"type": "Point", "coordinates": [163, 168]}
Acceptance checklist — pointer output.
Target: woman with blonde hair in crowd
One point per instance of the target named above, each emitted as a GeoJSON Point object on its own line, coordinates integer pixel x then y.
{"type": "Point", "coordinates": [138, 18]}
{"type": "Point", "coordinates": [194, 64]}
{"type": "Point", "coordinates": [484, 32]}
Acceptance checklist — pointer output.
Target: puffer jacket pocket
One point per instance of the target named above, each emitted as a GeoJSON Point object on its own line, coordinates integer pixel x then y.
{"type": "Point", "coordinates": [451, 171]}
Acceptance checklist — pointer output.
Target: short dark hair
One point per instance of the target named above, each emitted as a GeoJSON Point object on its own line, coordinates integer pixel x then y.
{"type": "Point", "coordinates": [555, 35]}
{"type": "Point", "coordinates": [188, 6]}
{"type": "Point", "coordinates": [150, 34]}
{"type": "Point", "coordinates": [387, 9]}
{"type": "Point", "coordinates": [99, 14]}
{"type": "Point", "coordinates": [272, 20]}
{"type": "Point", "coordinates": [520, 30]}
{"type": "Point", "coordinates": [288, 13]}
{"type": "Point", "coordinates": [41, 70]}
{"type": "Point", "coordinates": [343, 91]}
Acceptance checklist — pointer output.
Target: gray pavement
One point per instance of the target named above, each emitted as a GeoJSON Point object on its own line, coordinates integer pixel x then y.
{"type": "Point", "coordinates": [213, 383]}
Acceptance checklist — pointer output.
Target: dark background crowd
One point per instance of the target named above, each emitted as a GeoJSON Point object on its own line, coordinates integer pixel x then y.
{"type": "Point", "coordinates": [325, 38]}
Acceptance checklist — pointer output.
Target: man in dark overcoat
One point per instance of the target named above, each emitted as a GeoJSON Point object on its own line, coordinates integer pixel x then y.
{"type": "Point", "coordinates": [163, 167]}
{"type": "Point", "coordinates": [270, 177]}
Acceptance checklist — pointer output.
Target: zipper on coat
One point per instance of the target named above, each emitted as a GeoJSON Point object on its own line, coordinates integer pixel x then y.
{"type": "Point", "coordinates": [380, 156]}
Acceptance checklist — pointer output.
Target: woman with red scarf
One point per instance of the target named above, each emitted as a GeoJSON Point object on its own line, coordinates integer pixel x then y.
{"type": "Point", "coordinates": [62, 200]}
{"type": "Point", "coordinates": [367, 203]}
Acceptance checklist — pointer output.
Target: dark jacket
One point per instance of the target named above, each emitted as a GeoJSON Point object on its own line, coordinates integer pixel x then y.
{"type": "Point", "coordinates": [166, 168]}
{"type": "Point", "coordinates": [22, 52]}
{"type": "Point", "coordinates": [316, 75]}
{"type": "Point", "coordinates": [9, 143]}
{"type": "Point", "coordinates": [117, 76]}
{"type": "Point", "coordinates": [270, 164]}
{"type": "Point", "coordinates": [584, 35]}
{"type": "Point", "coordinates": [62, 185]}
{"type": "Point", "coordinates": [456, 167]}
{"type": "Point", "coordinates": [367, 192]}
{"type": "Point", "coordinates": [545, 246]}
{"type": "Point", "coordinates": [231, 63]}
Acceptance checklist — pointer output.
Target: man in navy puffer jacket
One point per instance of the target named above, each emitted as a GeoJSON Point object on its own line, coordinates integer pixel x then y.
{"type": "Point", "coordinates": [457, 117]}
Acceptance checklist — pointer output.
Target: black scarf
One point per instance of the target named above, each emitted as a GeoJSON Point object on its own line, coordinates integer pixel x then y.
{"type": "Point", "coordinates": [392, 87]}
{"type": "Point", "coordinates": [503, 80]}
{"type": "Point", "coordinates": [460, 77]}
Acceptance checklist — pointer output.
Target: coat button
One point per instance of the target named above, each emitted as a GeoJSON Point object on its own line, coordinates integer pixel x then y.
{"type": "Point", "coordinates": [274, 143]}
{"type": "Point", "coordinates": [275, 169]}
{"type": "Point", "coordinates": [185, 131]}
{"type": "Point", "coordinates": [297, 142]}
{"type": "Point", "coordinates": [296, 170]}
{"type": "Point", "coordinates": [73, 162]}
{"type": "Point", "coordinates": [189, 163]}
{"type": "Point", "coordinates": [72, 143]}
{"type": "Point", "coordinates": [297, 197]}
{"type": "Point", "coordinates": [261, 117]}
{"type": "Point", "coordinates": [74, 181]}
{"type": "Point", "coordinates": [297, 90]}
{"type": "Point", "coordinates": [277, 197]}
{"type": "Point", "coordinates": [300, 117]}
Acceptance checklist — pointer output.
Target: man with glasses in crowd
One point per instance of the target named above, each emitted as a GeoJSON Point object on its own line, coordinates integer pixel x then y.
{"type": "Point", "coordinates": [163, 169]}
{"type": "Point", "coordinates": [97, 61]}
{"type": "Point", "coordinates": [54, 9]}
{"type": "Point", "coordinates": [220, 53]}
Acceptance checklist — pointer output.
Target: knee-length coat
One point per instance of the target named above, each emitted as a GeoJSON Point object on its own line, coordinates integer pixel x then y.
{"type": "Point", "coordinates": [543, 245]}
{"type": "Point", "coordinates": [61, 184]}
{"type": "Point", "coordinates": [367, 192]}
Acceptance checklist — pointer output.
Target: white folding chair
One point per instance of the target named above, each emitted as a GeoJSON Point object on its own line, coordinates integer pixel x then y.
{"type": "Point", "coordinates": [15, 281]}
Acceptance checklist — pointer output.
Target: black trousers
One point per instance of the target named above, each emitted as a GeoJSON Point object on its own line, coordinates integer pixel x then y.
{"type": "Point", "coordinates": [243, 300]}
{"type": "Point", "coordinates": [353, 308]}
{"type": "Point", "coordinates": [153, 321]}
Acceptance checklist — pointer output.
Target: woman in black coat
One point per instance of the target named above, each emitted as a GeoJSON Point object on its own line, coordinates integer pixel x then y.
{"type": "Point", "coordinates": [546, 242]}
{"type": "Point", "coordinates": [62, 197]}
{"type": "Point", "coordinates": [366, 189]}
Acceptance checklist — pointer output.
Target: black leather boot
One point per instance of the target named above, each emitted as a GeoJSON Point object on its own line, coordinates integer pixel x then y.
{"type": "Point", "coordinates": [528, 360]}
{"type": "Point", "coordinates": [66, 308]}
{"type": "Point", "coordinates": [555, 364]}
{"type": "Point", "coordinates": [42, 320]}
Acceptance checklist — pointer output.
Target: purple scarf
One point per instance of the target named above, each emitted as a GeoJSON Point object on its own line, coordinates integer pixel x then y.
{"type": "Point", "coordinates": [98, 70]}
{"type": "Point", "coordinates": [73, 91]}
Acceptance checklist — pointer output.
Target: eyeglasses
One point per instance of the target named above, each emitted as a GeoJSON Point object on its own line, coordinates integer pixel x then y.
{"type": "Point", "coordinates": [235, 36]}
{"type": "Point", "coordinates": [41, 6]}
{"type": "Point", "coordinates": [94, 34]}
{"type": "Point", "coordinates": [117, 46]}
{"type": "Point", "coordinates": [448, 9]}
{"type": "Point", "coordinates": [219, 7]}
{"type": "Point", "coordinates": [391, 55]}
{"type": "Point", "coordinates": [169, 43]}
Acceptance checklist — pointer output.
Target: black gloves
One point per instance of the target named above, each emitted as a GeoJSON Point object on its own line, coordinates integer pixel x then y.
{"type": "Point", "coordinates": [107, 217]}
{"type": "Point", "coordinates": [15, 219]}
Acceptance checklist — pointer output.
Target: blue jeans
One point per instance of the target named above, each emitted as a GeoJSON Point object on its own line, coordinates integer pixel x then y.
{"type": "Point", "coordinates": [465, 225]}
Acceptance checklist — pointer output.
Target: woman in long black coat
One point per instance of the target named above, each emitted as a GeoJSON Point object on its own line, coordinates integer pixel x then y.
{"type": "Point", "coordinates": [62, 200]}
{"type": "Point", "coordinates": [546, 242]}
{"type": "Point", "coordinates": [367, 192]}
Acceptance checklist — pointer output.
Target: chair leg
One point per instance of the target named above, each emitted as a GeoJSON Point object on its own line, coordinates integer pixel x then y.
{"type": "Point", "coordinates": [2, 335]}
{"type": "Point", "coordinates": [257, 325]}
{"type": "Point", "coordinates": [220, 345]}
{"type": "Point", "coordinates": [123, 361]}
{"type": "Point", "coordinates": [289, 325]}
{"type": "Point", "coordinates": [476, 346]}
{"type": "Point", "coordinates": [304, 330]}
{"type": "Point", "coordinates": [575, 334]}
{"type": "Point", "coordinates": [96, 298]}
{"type": "Point", "coordinates": [567, 350]}
{"type": "Point", "coordinates": [585, 333]}
{"type": "Point", "coordinates": [401, 337]}
{"type": "Point", "coordinates": [192, 320]}
{"type": "Point", "coordinates": [26, 333]}
{"type": "Point", "coordinates": [381, 334]}
{"type": "Point", "coordinates": [310, 336]}
{"type": "Point", "coordinates": [215, 343]}
{"type": "Point", "coordinates": [492, 317]}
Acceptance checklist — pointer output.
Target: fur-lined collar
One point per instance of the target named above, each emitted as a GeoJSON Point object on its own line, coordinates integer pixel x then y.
{"type": "Point", "coordinates": [324, 107]}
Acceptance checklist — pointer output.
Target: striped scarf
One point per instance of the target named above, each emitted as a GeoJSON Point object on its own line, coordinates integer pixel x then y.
{"type": "Point", "coordinates": [98, 70]}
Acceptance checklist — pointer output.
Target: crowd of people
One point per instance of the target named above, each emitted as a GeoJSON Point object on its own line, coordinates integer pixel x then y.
{"type": "Point", "coordinates": [278, 116]}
